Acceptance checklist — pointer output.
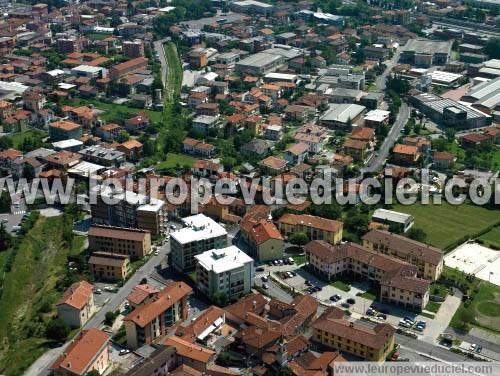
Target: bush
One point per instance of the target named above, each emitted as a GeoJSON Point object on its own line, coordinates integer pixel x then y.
{"type": "Point", "coordinates": [57, 330]}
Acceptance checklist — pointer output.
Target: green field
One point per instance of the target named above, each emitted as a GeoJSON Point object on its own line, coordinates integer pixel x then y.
{"type": "Point", "coordinates": [341, 286]}
{"type": "Point", "coordinates": [174, 72]}
{"type": "Point", "coordinates": [445, 224]}
{"type": "Point", "coordinates": [29, 293]}
{"type": "Point", "coordinates": [492, 238]}
{"type": "Point", "coordinates": [18, 138]}
{"type": "Point", "coordinates": [299, 260]}
{"type": "Point", "coordinates": [432, 307]}
{"type": "Point", "coordinates": [175, 160]}
{"type": "Point", "coordinates": [116, 112]}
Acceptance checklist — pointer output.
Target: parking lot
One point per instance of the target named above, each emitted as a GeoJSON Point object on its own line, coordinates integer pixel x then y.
{"type": "Point", "coordinates": [307, 283]}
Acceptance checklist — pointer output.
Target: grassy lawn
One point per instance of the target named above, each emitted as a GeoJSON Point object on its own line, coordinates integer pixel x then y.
{"type": "Point", "coordinates": [367, 295]}
{"type": "Point", "coordinates": [192, 276]}
{"type": "Point", "coordinates": [175, 160]}
{"type": "Point", "coordinates": [116, 112]}
{"type": "Point", "coordinates": [29, 293]}
{"type": "Point", "coordinates": [428, 315]}
{"type": "Point", "coordinates": [492, 238]}
{"type": "Point", "coordinates": [455, 221]}
{"type": "Point", "coordinates": [432, 307]}
{"type": "Point", "coordinates": [18, 138]}
{"type": "Point", "coordinates": [174, 72]}
{"type": "Point", "coordinates": [341, 286]}
{"type": "Point", "coordinates": [438, 289]}
{"type": "Point", "coordinates": [299, 260]}
{"type": "Point", "coordinates": [76, 246]}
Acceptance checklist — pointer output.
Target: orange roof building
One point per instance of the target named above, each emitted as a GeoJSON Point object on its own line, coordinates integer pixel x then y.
{"type": "Point", "coordinates": [77, 304]}
{"type": "Point", "coordinates": [89, 351]}
{"type": "Point", "coordinates": [316, 228]}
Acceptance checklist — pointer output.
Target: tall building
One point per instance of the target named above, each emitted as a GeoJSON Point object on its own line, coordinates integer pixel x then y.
{"type": "Point", "coordinates": [316, 228]}
{"type": "Point", "coordinates": [132, 242]}
{"type": "Point", "coordinates": [153, 319]}
{"type": "Point", "coordinates": [133, 49]}
{"type": "Point", "coordinates": [199, 235]}
{"type": "Point", "coordinates": [227, 270]}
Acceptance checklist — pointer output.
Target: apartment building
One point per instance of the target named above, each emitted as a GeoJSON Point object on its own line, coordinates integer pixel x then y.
{"type": "Point", "coordinates": [109, 266]}
{"type": "Point", "coordinates": [227, 270]}
{"type": "Point", "coordinates": [153, 319]}
{"type": "Point", "coordinates": [332, 329]}
{"type": "Point", "coordinates": [429, 260]}
{"type": "Point", "coordinates": [133, 49]}
{"type": "Point", "coordinates": [129, 210]}
{"type": "Point", "coordinates": [77, 304]}
{"type": "Point", "coordinates": [88, 351]}
{"type": "Point", "coordinates": [64, 130]}
{"type": "Point", "coordinates": [129, 66]}
{"type": "Point", "coordinates": [316, 228]}
{"type": "Point", "coordinates": [132, 242]}
{"type": "Point", "coordinates": [199, 235]}
{"type": "Point", "coordinates": [397, 279]}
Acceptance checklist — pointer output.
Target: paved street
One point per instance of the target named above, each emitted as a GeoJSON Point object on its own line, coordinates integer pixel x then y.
{"type": "Point", "coordinates": [158, 45]}
{"type": "Point", "coordinates": [116, 300]}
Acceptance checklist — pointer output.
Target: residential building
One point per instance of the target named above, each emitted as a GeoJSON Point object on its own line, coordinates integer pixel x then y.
{"type": "Point", "coordinates": [206, 328]}
{"type": "Point", "coordinates": [132, 242]}
{"type": "Point", "coordinates": [142, 294]}
{"type": "Point", "coordinates": [152, 320]}
{"type": "Point", "coordinates": [133, 49]}
{"type": "Point", "coordinates": [153, 217]}
{"type": "Point", "coordinates": [397, 279]}
{"type": "Point", "coordinates": [103, 156]}
{"type": "Point", "coordinates": [296, 154]}
{"type": "Point", "coordinates": [264, 238]}
{"type": "Point", "coordinates": [87, 352]}
{"type": "Point", "coordinates": [226, 270]}
{"type": "Point", "coordinates": [204, 123]}
{"type": "Point", "coordinates": [109, 266]}
{"type": "Point", "coordinates": [376, 53]}
{"type": "Point", "coordinates": [64, 130]}
{"type": "Point", "coordinates": [160, 362]}
{"type": "Point", "coordinates": [195, 356]}
{"type": "Point", "coordinates": [316, 228]}
{"type": "Point", "coordinates": [393, 218]}
{"type": "Point", "coordinates": [332, 329]}
{"type": "Point", "coordinates": [129, 66]}
{"type": "Point", "coordinates": [273, 165]}
{"type": "Point", "coordinates": [406, 154]}
{"type": "Point", "coordinates": [132, 149]}
{"type": "Point", "coordinates": [199, 235]}
{"type": "Point", "coordinates": [443, 160]}
{"type": "Point", "coordinates": [428, 259]}
{"type": "Point", "coordinates": [76, 305]}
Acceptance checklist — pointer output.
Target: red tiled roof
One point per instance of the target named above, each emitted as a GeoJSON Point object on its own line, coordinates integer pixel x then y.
{"type": "Point", "coordinates": [77, 295]}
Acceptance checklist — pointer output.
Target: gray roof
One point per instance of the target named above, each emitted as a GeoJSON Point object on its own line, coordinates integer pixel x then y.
{"type": "Point", "coordinates": [425, 46]}
{"type": "Point", "coordinates": [342, 112]}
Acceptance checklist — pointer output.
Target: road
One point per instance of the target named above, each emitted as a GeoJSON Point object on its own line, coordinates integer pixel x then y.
{"type": "Point", "coordinates": [160, 52]}
{"type": "Point", "coordinates": [378, 160]}
{"type": "Point", "coordinates": [41, 365]}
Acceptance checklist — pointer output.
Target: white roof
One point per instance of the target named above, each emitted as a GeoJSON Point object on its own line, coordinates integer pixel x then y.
{"type": "Point", "coordinates": [198, 227]}
{"type": "Point", "coordinates": [67, 143]}
{"type": "Point", "coordinates": [223, 260]}
{"type": "Point", "coordinates": [65, 86]}
{"type": "Point", "coordinates": [55, 72]}
{"type": "Point", "coordinates": [377, 115]}
{"type": "Point", "coordinates": [166, 9]}
{"type": "Point", "coordinates": [390, 215]}
{"type": "Point", "coordinates": [13, 86]}
{"type": "Point", "coordinates": [87, 68]}
{"type": "Point", "coordinates": [281, 76]}
{"type": "Point", "coordinates": [154, 206]}
{"type": "Point", "coordinates": [447, 77]}
{"type": "Point", "coordinates": [85, 169]}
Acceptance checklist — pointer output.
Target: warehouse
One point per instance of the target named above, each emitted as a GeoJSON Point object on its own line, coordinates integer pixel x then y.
{"type": "Point", "coordinates": [485, 96]}
{"type": "Point", "coordinates": [425, 53]}
{"type": "Point", "coordinates": [342, 116]}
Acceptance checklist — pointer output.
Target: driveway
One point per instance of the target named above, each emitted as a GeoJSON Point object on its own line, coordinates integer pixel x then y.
{"type": "Point", "coordinates": [441, 320]}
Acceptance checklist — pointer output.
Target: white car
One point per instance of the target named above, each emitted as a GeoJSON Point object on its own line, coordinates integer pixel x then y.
{"type": "Point", "coordinates": [124, 351]}
{"type": "Point", "coordinates": [157, 253]}
{"type": "Point", "coordinates": [265, 286]}
{"type": "Point", "coordinates": [472, 347]}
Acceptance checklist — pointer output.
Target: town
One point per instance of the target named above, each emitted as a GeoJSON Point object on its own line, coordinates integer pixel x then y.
{"type": "Point", "coordinates": [169, 92]}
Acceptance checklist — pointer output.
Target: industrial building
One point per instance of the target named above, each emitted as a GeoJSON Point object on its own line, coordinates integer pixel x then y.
{"type": "Point", "coordinates": [485, 96]}
{"type": "Point", "coordinates": [425, 53]}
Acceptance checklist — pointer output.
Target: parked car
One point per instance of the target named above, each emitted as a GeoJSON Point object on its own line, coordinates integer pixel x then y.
{"type": "Point", "coordinates": [419, 328]}
{"type": "Point", "coordinates": [293, 274]}
{"type": "Point", "coordinates": [308, 283]}
{"type": "Point", "coordinates": [395, 356]}
{"type": "Point", "coordinates": [264, 278]}
{"type": "Point", "coordinates": [422, 323]}
{"type": "Point", "coordinates": [478, 349]}
{"type": "Point", "coordinates": [290, 275]}
{"type": "Point", "coordinates": [370, 312]}
{"type": "Point", "coordinates": [265, 286]}
{"type": "Point", "coordinates": [472, 347]}
{"type": "Point", "coordinates": [259, 269]}
{"type": "Point", "coordinates": [156, 253]}
{"type": "Point", "coordinates": [124, 351]}
{"type": "Point", "coordinates": [351, 301]}
{"type": "Point", "coordinates": [345, 305]}
{"type": "Point", "coordinates": [382, 316]}
{"type": "Point", "coordinates": [318, 288]}
{"type": "Point", "coordinates": [97, 291]}
{"type": "Point", "coordinates": [404, 324]}
{"type": "Point", "coordinates": [291, 260]}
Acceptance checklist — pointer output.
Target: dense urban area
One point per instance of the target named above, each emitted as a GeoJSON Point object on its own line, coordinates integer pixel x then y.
{"type": "Point", "coordinates": [179, 90]}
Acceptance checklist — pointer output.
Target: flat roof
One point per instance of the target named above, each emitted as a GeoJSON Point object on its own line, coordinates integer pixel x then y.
{"type": "Point", "coordinates": [446, 77]}
{"type": "Point", "coordinates": [223, 260]}
{"type": "Point", "coordinates": [86, 169]}
{"type": "Point", "coordinates": [259, 59]}
{"type": "Point", "coordinates": [342, 112]}
{"type": "Point", "coordinates": [198, 227]}
{"type": "Point", "coordinates": [67, 143]}
{"type": "Point", "coordinates": [426, 46]}
{"type": "Point", "coordinates": [391, 215]}
{"type": "Point", "coordinates": [377, 115]}
{"type": "Point", "coordinates": [87, 69]}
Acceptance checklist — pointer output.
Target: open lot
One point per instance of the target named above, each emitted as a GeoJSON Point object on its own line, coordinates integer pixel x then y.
{"type": "Point", "coordinates": [445, 224]}
{"type": "Point", "coordinates": [473, 258]}
{"type": "Point", "coordinates": [174, 160]}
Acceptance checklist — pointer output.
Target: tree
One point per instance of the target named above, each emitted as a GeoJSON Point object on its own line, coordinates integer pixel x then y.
{"type": "Point", "coordinates": [109, 318]}
{"type": "Point", "coordinates": [417, 234]}
{"type": "Point", "coordinates": [492, 48]}
{"type": "Point", "coordinates": [57, 330]}
{"type": "Point", "coordinates": [220, 299]}
{"type": "Point", "coordinates": [5, 238]}
{"type": "Point", "coordinates": [357, 223]}
{"type": "Point", "coordinates": [285, 371]}
{"type": "Point", "coordinates": [4, 202]}
{"type": "Point", "coordinates": [122, 137]}
{"type": "Point", "coordinates": [223, 359]}
{"type": "Point", "coordinates": [93, 373]}
{"type": "Point", "coordinates": [299, 238]}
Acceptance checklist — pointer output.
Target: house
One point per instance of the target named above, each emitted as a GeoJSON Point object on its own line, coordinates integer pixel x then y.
{"type": "Point", "coordinates": [197, 58]}
{"type": "Point", "coordinates": [443, 160]}
{"type": "Point", "coordinates": [312, 135]}
{"type": "Point", "coordinates": [206, 328]}
{"type": "Point", "coordinates": [376, 118]}
{"type": "Point", "coordinates": [192, 355]}
{"type": "Point", "coordinates": [273, 132]}
{"type": "Point", "coordinates": [109, 266]}
{"type": "Point", "coordinates": [141, 294]}
{"type": "Point", "coordinates": [195, 147]}
{"type": "Point", "coordinates": [273, 165]}
{"type": "Point", "coordinates": [333, 330]}
{"type": "Point", "coordinates": [376, 53]}
{"type": "Point", "coordinates": [206, 169]}
{"type": "Point", "coordinates": [204, 123]}
{"type": "Point", "coordinates": [208, 109]}
{"type": "Point", "coordinates": [428, 259]}
{"type": "Point", "coordinates": [226, 270]}
{"type": "Point", "coordinates": [152, 320]}
{"type": "Point", "coordinates": [257, 147]}
{"type": "Point", "coordinates": [137, 123]}
{"type": "Point", "coordinates": [132, 242]}
{"type": "Point", "coordinates": [363, 134]}
{"type": "Point", "coordinates": [8, 158]}
{"type": "Point", "coordinates": [29, 167]}
{"type": "Point", "coordinates": [76, 305]}
{"type": "Point", "coordinates": [298, 113]}
{"type": "Point", "coordinates": [356, 149]}
{"type": "Point", "coordinates": [406, 154]}
{"type": "Point", "coordinates": [132, 149]}
{"type": "Point", "coordinates": [108, 132]}
{"type": "Point", "coordinates": [296, 154]}
{"type": "Point", "coordinates": [87, 352]}
{"type": "Point", "coordinates": [316, 228]}
{"type": "Point", "coordinates": [64, 130]}
{"type": "Point", "coordinates": [163, 360]}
